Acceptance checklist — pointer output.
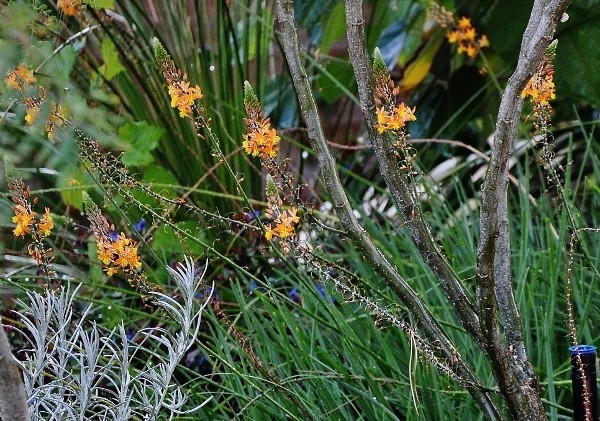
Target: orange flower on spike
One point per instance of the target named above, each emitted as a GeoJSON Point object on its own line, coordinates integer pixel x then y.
{"type": "Point", "coordinates": [46, 224]}
{"type": "Point", "coordinates": [27, 222]}
{"type": "Point", "coordinates": [394, 119]}
{"type": "Point", "coordinates": [540, 90]}
{"type": "Point", "coordinates": [540, 87]}
{"type": "Point", "coordinates": [183, 96]}
{"type": "Point", "coordinates": [262, 139]}
{"type": "Point", "coordinates": [464, 35]}
{"type": "Point", "coordinates": [70, 7]}
{"type": "Point", "coordinates": [24, 217]}
{"type": "Point", "coordinates": [283, 228]}
{"type": "Point", "coordinates": [20, 78]}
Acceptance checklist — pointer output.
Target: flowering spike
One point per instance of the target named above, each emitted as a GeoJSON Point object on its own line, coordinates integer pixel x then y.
{"type": "Point", "coordinates": [183, 95]}
{"type": "Point", "coordinates": [270, 186]}
{"type": "Point", "coordinates": [464, 35]}
{"type": "Point", "coordinates": [250, 98]}
{"type": "Point", "coordinates": [20, 78]}
{"type": "Point", "coordinates": [160, 54]}
{"type": "Point", "coordinates": [551, 50]}
{"type": "Point", "coordinates": [89, 205]}
{"type": "Point", "coordinates": [261, 140]}
{"type": "Point", "coordinates": [116, 252]}
{"type": "Point", "coordinates": [379, 66]}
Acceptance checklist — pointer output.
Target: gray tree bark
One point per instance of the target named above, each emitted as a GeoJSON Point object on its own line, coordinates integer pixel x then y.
{"type": "Point", "coordinates": [13, 400]}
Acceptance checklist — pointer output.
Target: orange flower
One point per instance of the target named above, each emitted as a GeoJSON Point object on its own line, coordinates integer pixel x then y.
{"type": "Point", "coordinates": [70, 7]}
{"type": "Point", "coordinates": [292, 215]}
{"type": "Point", "coordinates": [111, 270]}
{"type": "Point", "coordinates": [183, 96]}
{"type": "Point", "coordinates": [46, 224]}
{"type": "Point", "coordinates": [20, 78]}
{"type": "Point", "coordinates": [483, 42]}
{"type": "Point", "coordinates": [118, 254]}
{"type": "Point", "coordinates": [31, 116]}
{"type": "Point", "coordinates": [283, 228]}
{"type": "Point", "coordinates": [464, 23]}
{"type": "Point", "coordinates": [55, 119]}
{"type": "Point", "coordinates": [395, 119]}
{"type": "Point", "coordinates": [23, 218]}
{"type": "Point", "coordinates": [105, 252]}
{"type": "Point", "coordinates": [541, 86]}
{"type": "Point", "coordinates": [465, 36]}
{"type": "Point", "coordinates": [269, 232]}
{"type": "Point", "coordinates": [261, 140]}
{"type": "Point", "coordinates": [284, 223]}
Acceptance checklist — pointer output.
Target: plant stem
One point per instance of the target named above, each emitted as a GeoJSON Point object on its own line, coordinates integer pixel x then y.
{"type": "Point", "coordinates": [513, 371]}
{"type": "Point", "coordinates": [423, 317]}
{"type": "Point", "coordinates": [401, 190]}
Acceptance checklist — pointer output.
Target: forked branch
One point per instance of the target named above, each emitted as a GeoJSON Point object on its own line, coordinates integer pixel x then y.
{"type": "Point", "coordinates": [494, 281]}
{"type": "Point", "coordinates": [423, 317]}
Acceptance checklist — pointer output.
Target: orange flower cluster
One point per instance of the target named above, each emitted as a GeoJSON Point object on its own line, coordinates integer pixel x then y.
{"type": "Point", "coordinates": [116, 254]}
{"type": "Point", "coordinates": [120, 254]}
{"type": "Point", "coordinates": [394, 118]}
{"type": "Point", "coordinates": [25, 217]}
{"type": "Point", "coordinates": [20, 78]}
{"type": "Point", "coordinates": [71, 7]}
{"type": "Point", "coordinates": [540, 87]}
{"type": "Point", "coordinates": [465, 36]}
{"type": "Point", "coordinates": [56, 118]}
{"type": "Point", "coordinates": [182, 94]}
{"type": "Point", "coordinates": [27, 222]}
{"type": "Point", "coordinates": [46, 223]}
{"type": "Point", "coordinates": [261, 139]}
{"type": "Point", "coordinates": [283, 224]}
{"type": "Point", "coordinates": [390, 117]}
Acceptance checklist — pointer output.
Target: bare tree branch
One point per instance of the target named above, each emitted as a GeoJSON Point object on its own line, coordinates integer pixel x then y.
{"type": "Point", "coordinates": [395, 179]}
{"type": "Point", "coordinates": [423, 317]}
{"type": "Point", "coordinates": [13, 401]}
{"type": "Point", "coordinates": [517, 383]}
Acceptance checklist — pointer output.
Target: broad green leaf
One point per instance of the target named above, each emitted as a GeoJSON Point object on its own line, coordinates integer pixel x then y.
{"type": "Point", "coordinates": [142, 138]}
{"type": "Point", "coordinates": [577, 60]}
{"type": "Point", "coordinates": [419, 68]}
{"type": "Point", "coordinates": [166, 240]}
{"type": "Point", "coordinates": [69, 180]}
{"type": "Point", "coordinates": [328, 88]}
{"type": "Point", "coordinates": [112, 66]}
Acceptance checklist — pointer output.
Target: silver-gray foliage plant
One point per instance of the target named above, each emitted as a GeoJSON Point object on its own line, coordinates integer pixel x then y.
{"type": "Point", "coordinates": [75, 370]}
